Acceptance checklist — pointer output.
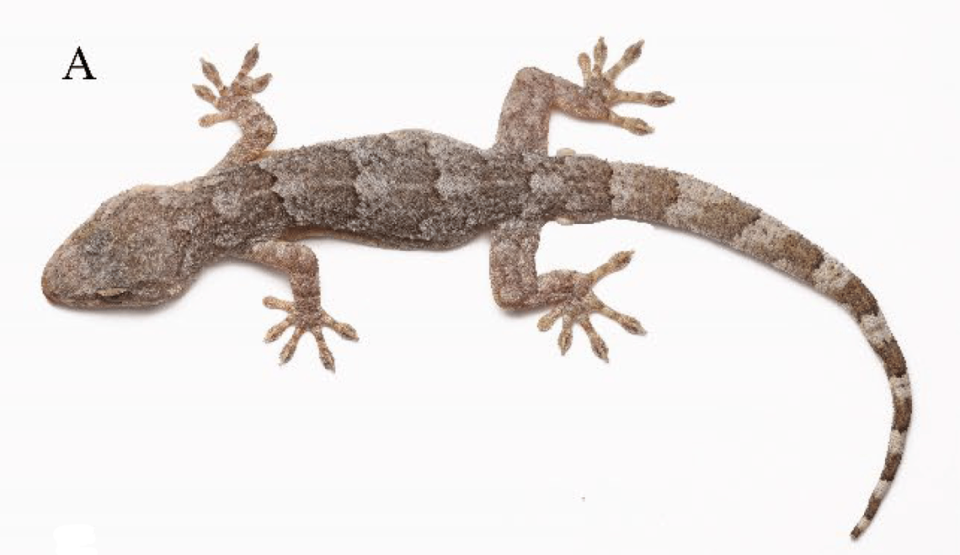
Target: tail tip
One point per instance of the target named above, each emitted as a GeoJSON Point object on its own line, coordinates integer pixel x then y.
{"type": "Point", "coordinates": [859, 528]}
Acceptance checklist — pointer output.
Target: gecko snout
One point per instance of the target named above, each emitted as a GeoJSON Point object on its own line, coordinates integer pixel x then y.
{"type": "Point", "coordinates": [78, 276]}
{"type": "Point", "coordinates": [60, 285]}
{"type": "Point", "coordinates": [76, 279]}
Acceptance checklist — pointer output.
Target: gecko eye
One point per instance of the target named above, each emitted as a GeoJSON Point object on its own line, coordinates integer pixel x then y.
{"type": "Point", "coordinates": [112, 293]}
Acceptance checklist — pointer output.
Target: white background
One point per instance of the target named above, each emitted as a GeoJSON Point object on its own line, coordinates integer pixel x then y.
{"type": "Point", "coordinates": [752, 419]}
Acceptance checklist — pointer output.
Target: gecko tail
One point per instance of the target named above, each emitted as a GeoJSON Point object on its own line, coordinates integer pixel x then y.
{"type": "Point", "coordinates": [899, 380]}
{"type": "Point", "coordinates": [662, 196]}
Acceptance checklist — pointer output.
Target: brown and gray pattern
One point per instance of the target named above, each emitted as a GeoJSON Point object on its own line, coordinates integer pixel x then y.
{"type": "Point", "coordinates": [417, 189]}
{"type": "Point", "coordinates": [706, 210]}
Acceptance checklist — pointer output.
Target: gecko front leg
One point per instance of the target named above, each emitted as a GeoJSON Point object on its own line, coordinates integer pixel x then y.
{"type": "Point", "coordinates": [236, 103]}
{"type": "Point", "coordinates": [517, 285]}
{"type": "Point", "coordinates": [305, 312]}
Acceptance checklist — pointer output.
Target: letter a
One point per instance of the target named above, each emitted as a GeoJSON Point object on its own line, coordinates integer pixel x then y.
{"type": "Point", "coordinates": [82, 65]}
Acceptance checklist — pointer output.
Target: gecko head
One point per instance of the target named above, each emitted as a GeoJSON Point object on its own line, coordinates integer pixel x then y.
{"type": "Point", "coordinates": [128, 254]}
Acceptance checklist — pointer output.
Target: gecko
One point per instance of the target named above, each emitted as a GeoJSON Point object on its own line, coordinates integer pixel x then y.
{"type": "Point", "coordinates": [415, 189]}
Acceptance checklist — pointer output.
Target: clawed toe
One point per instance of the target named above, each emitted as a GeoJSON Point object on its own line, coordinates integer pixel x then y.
{"type": "Point", "coordinates": [344, 330]}
{"type": "Point", "coordinates": [656, 99]}
{"type": "Point", "coordinates": [629, 323]}
{"type": "Point", "coordinates": [565, 339]}
{"type": "Point", "coordinates": [596, 342]}
{"type": "Point", "coordinates": [311, 322]}
{"type": "Point", "coordinates": [291, 346]}
{"type": "Point", "coordinates": [276, 331]}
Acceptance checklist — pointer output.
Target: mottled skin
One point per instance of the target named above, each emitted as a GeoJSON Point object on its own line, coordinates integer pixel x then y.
{"type": "Point", "coordinates": [416, 189]}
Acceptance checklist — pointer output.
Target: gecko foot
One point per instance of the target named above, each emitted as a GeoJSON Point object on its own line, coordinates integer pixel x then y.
{"type": "Point", "coordinates": [579, 309]}
{"type": "Point", "coordinates": [601, 83]}
{"type": "Point", "coordinates": [232, 102]}
{"type": "Point", "coordinates": [312, 321]}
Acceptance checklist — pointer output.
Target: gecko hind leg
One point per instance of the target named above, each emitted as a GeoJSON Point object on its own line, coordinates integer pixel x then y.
{"type": "Point", "coordinates": [577, 310]}
{"type": "Point", "coordinates": [517, 285]}
{"type": "Point", "coordinates": [525, 118]}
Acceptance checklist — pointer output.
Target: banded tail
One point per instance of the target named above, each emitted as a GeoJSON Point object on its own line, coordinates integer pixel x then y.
{"type": "Point", "coordinates": [684, 202]}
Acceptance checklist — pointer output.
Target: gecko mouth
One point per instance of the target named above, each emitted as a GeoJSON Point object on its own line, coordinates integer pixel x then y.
{"type": "Point", "coordinates": [113, 294]}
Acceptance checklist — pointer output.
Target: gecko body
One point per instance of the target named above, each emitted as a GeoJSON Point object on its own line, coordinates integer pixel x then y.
{"type": "Point", "coordinates": [416, 189]}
